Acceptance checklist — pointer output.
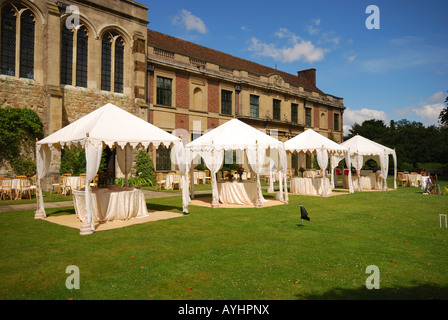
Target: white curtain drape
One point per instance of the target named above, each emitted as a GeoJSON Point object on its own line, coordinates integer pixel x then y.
{"type": "Point", "coordinates": [322, 161]}
{"type": "Point", "coordinates": [394, 156]}
{"type": "Point", "coordinates": [283, 165]}
{"type": "Point", "coordinates": [125, 157]}
{"type": "Point", "coordinates": [357, 162]}
{"type": "Point", "coordinates": [182, 161]}
{"type": "Point", "coordinates": [93, 151]}
{"type": "Point", "coordinates": [213, 160]}
{"type": "Point", "coordinates": [256, 158]}
{"type": "Point", "coordinates": [384, 163]}
{"type": "Point", "coordinates": [43, 153]}
{"type": "Point", "coordinates": [348, 162]}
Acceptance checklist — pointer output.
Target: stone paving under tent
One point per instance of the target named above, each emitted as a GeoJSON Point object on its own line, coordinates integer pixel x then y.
{"type": "Point", "coordinates": [109, 126]}
{"type": "Point", "coordinates": [237, 135]}
{"type": "Point", "coordinates": [325, 149]}
{"type": "Point", "coordinates": [363, 149]}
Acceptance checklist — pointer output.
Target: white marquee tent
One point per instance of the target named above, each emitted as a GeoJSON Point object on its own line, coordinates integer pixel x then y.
{"type": "Point", "coordinates": [106, 126]}
{"type": "Point", "coordinates": [237, 135]}
{"type": "Point", "coordinates": [363, 149]}
{"type": "Point", "coordinates": [325, 149]}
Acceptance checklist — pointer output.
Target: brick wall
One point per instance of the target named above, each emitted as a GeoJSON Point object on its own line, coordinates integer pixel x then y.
{"type": "Point", "coordinates": [182, 121]}
{"type": "Point", "coordinates": [213, 96]}
{"type": "Point", "coordinates": [182, 91]}
{"type": "Point", "coordinates": [212, 123]}
{"type": "Point", "coordinates": [316, 117]}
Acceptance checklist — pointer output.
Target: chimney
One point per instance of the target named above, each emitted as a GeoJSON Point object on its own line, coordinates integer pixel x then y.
{"type": "Point", "coordinates": [309, 75]}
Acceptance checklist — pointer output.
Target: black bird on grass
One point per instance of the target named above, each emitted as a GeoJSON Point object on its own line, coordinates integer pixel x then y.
{"type": "Point", "coordinates": [304, 214]}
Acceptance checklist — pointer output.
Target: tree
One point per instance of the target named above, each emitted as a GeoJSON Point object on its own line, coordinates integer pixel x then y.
{"type": "Point", "coordinates": [443, 117]}
{"type": "Point", "coordinates": [373, 129]}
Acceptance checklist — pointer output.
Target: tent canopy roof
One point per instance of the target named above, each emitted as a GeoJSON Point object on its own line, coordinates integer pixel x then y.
{"type": "Point", "coordinates": [234, 135]}
{"type": "Point", "coordinates": [363, 146]}
{"type": "Point", "coordinates": [111, 125]}
{"type": "Point", "coordinates": [310, 141]}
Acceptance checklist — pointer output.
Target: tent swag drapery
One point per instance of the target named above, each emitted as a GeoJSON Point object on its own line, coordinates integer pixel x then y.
{"type": "Point", "coordinates": [325, 149]}
{"type": "Point", "coordinates": [236, 135]}
{"type": "Point", "coordinates": [106, 126]}
{"type": "Point", "coordinates": [363, 149]}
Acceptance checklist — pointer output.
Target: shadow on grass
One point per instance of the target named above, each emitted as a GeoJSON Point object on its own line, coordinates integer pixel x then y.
{"type": "Point", "coordinates": [418, 292]}
{"type": "Point", "coordinates": [161, 207]}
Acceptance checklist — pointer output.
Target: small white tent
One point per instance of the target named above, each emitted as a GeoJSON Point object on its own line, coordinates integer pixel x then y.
{"type": "Point", "coordinates": [312, 142]}
{"type": "Point", "coordinates": [237, 135]}
{"type": "Point", "coordinates": [106, 126]}
{"type": "Point", "coordinates": [363, 149]}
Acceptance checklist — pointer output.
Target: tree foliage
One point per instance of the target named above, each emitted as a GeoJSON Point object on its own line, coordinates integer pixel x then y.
{"type": "Point", "coordinates": [443, 117]}
{"type": "Point", "coordinates": [19, 129]}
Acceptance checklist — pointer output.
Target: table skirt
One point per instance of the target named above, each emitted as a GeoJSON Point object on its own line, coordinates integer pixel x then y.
{"type": "Point", "coordinates": [367, 182]}
{"type": "Point", "coordinates": [311, 186]}
{"type": "Point", "coordinates": [112, 204]}
{"type": "Point", "coordinates": [238, 192]}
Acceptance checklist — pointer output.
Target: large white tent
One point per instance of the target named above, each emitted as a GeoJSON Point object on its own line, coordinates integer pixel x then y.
{"type": "Point", "coordinates": [109, 126]}
{"type": "Point", "coordinates": [325, 149]}
{"type": "Point", "coordinates": [363, 149]}
{"type": "Point", "coordinates": [237, 135]}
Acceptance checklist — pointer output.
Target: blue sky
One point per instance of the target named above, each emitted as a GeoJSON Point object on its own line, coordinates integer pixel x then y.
{"type": "Point", "coordinates": [399, 71]}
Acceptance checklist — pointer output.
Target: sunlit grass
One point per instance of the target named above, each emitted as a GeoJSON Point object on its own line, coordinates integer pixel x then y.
{"type": "Point", "coordinates": [226, 254]}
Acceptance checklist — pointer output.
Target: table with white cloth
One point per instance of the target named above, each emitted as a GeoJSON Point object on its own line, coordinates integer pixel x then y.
{"type": "Point", "coordinates": [245, 192]}
{"type": "Point", "coordinates": [114, 203]}
{"type": "Point", "coordinates": [413, 180]}
{"type": "Point", "coordinates": [370, 182]}
{"type": "Point", "coordinates": [15, 186]}
{"type": "Point", "coordinates": [72, 182]}
{"type": "Point", "coordinates": [169, 181]}
{"type": "Point", "coordinates": [311, 186]}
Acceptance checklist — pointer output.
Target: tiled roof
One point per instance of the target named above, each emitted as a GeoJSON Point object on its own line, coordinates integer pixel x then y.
{"type": "Point", "coordinates": [189, 49]}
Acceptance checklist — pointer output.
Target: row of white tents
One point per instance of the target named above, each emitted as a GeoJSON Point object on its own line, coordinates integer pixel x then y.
{"type": "Point", "coordinates": [113, 127]}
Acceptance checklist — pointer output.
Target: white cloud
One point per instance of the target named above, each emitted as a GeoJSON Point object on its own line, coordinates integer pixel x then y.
{"type": "Point", "coordinates": [429, 113]}
{"type": "Point", "coordinates": [359, 116]}
{"type": "Point", "coordinates": [351, 58]}
{"type": "Point", "coordinates": [438, 96]}
{"type": "Point", "coordinates": [297, 49]}
{"type": "Point", "coordinates": [190, 22]}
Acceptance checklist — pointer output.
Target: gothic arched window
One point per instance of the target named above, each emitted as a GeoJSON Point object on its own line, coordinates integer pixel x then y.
{"type": "Point", "coordinates": [112, 62]}
{"type": "Point", "coordinates": [74, 43]}
{"type": "Point", "coordinates": [17, 47]}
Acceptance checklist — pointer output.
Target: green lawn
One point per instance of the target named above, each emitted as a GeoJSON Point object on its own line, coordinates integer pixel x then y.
{"type": "Point", "coordinates": [239, 253]}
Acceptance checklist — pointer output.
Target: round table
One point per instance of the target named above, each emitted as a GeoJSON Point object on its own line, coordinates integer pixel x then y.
{"type": "Point", "coordinates": [233, 192]}
{"type": "Point", "coordinates": [311, 186]}
{"type": "Point", "coordinates": [116, 203]}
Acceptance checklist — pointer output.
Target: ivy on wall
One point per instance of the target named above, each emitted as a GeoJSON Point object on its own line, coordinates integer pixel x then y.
{"type": "Point", "coordinates": [19, 129]}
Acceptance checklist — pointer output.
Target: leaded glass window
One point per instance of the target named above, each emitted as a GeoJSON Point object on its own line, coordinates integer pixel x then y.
{"type": "Point", "coordinates": [164, 91]}
{"type": "Point", "coordinates": [119, 65]}
{"type": "Point", "coordinates": [8, 41]}
{"type": "Point", "coordinates": [106, 57]}
{"type": "Point", "coordinates": [163, 158]}
{"type": "Point", "coordinates": [276, 109]}
{"type": "Point", "coordinates": [308, 116]}
{"type": "Point", "coordinates": [226, 102]}
{"type": "Point", "coordinates": [66, 56]}
{"type": "Point", "coordinates": [82, 41]}
{"type": "Point", "coordinates": [254, 106]}
{"type": "Point", "coordinates": [294, 109]}
{"type": "Point", "coordinates": [27, 45]}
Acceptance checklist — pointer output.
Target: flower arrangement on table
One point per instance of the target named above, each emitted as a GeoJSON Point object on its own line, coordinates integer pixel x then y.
{"type": "Point", "coordinates": [240, 171]}
{"type": "Point", "coordinates": [229, 176]}
{"type": "Point", "coordinates": [302, 170]}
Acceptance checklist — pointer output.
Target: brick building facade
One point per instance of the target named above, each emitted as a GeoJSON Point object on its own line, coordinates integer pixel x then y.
{"type": "Point", "coordinates": [64, 59]}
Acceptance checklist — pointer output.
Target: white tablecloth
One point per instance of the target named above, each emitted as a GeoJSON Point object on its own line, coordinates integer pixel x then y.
{"type": "Point", "coordinates": [112, 204]}
{"type": "Point", "coordinates": [311, 186]}
{"type": "Point", "coordinates": [413, 180]}
{"type": "Point", "coordinates": [370, 182]}
{"type": "Point", "coordinates": [238, 192]}
{"type": "Point", "coordinates": [73, 183]}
